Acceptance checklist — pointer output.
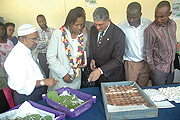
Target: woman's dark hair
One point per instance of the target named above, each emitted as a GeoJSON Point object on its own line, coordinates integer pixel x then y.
{"type": "Point", "coordinates": [72, 16]}
{"type": "Point", "coordinates": [80, 8]}
{"type": "Point", "coordinates": [9, 24]}
{"type": "Point", "coordinates": [4, 38]}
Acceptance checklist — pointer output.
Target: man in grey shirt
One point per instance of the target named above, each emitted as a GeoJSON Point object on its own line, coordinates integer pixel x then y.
{"type": "Point", "coordinates": [45, 33]}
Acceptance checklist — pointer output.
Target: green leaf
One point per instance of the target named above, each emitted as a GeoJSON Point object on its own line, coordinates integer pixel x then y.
{"type": "Point", "coordinates": [68, 101]}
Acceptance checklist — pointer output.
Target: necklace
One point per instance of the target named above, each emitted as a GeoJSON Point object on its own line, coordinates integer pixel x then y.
{"type": "Point", "coordinates": [74, 65]}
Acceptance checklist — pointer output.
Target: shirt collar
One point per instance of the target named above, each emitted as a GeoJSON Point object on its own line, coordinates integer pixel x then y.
{"type": "Point", "coordinates": [128, 23]}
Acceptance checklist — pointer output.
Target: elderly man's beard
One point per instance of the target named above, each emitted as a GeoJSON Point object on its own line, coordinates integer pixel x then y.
{"type": "Point", "coordinates": [33, 47]}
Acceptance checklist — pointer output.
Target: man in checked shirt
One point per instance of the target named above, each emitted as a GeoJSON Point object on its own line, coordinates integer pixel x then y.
{"type": "Point", "coordinates": [45, 33]}
{"type": "Point", "coordinates": [160, 45]}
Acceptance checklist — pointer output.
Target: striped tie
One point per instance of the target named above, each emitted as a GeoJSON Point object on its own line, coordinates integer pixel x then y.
{"type": "Point", "coordinates": [100, 39]}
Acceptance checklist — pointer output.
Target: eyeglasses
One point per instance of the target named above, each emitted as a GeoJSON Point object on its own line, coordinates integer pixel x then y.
{"type": "Point", "coordinates": [11, 30]}
{"type": "Point", "coordinates": [33, 39]}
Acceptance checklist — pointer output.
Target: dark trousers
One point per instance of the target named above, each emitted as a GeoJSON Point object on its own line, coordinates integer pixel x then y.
{"type": "Point", "coordinates": [43, 63]}
{"type": "Point", "coordinates": [4, 106]}
{"type": "Point", "coordinates": [85, 75]}
{"type": "Point", "coordinates": [36, 95]}
{"type": "Point", "coordinates": [161, 78]}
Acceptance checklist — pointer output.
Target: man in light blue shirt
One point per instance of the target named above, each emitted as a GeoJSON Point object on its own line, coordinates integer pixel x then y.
{"type": "Point", "coordinates": [136, 69]}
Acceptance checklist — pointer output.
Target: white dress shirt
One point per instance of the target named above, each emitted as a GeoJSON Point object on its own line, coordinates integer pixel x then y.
{"type": "Point", "coordinates": [134, 41]}
{"type": "Point", "coordinates": [22, 70]}
{"type": "Point", "coordinates": [75, 48]}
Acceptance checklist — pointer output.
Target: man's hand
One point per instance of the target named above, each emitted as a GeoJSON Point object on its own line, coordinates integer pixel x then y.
{"type": "Point", "coordinates": [94, 75]}
{"type": "Point", "coordinates": [50, 82]}
{"type": "Point", "coordinates": [152, 71]}
{"type": "Point", "coordinates": [83, 66]}
{"type": "Point", "coordinates": [67, 78]}
{"type": "Point", "coordinates": [92, 64]}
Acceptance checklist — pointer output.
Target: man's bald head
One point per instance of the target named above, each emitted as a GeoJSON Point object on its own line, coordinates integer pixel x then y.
{"type": "Point", "coordinates": [134, 6]}
{"type": "Point", "coordinates": [134, 14]}
{"type": "Point", "coordinates": [163, 4]}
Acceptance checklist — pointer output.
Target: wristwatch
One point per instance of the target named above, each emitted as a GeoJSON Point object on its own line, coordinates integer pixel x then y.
{"type": "Point", "coordinates": [42, 83]}
{"type": "Point", "coordinates": [71, 79]}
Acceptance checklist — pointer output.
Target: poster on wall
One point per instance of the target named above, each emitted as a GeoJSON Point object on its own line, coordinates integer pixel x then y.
{"type": "Point", "coordinates": [176, 10]}
{"type": "Point", "coordinates": [91, 3]}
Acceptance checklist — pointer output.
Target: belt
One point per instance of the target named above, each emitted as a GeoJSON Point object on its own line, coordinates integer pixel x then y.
{"type": "Point", "coordinates": [43, 54]}
{"type": "Point", "coordinates": [135, 62]}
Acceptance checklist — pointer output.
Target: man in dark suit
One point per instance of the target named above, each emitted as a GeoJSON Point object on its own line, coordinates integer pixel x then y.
{"type": "Point", "coordinates": [107, 46]}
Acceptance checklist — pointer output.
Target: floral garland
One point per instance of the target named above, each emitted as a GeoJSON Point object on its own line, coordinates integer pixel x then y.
{"type": "Point", "coordinates": [79, 51]}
